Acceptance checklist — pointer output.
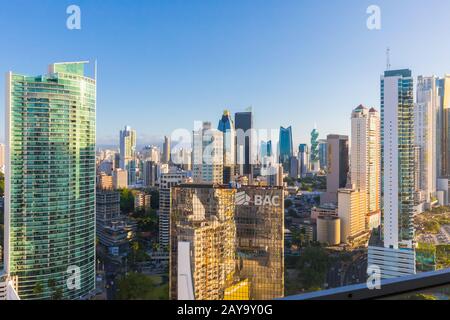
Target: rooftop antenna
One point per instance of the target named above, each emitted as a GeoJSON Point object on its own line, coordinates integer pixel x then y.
{"type": "Point", "coordinates": [388, 59]}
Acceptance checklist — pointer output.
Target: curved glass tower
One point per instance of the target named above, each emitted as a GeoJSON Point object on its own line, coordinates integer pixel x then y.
{"type": "Point", "coordinates": [50, 182]}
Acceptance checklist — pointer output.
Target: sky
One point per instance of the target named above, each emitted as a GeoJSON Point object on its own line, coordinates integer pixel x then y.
{"type": "Point", "coordinates": [163, 64]}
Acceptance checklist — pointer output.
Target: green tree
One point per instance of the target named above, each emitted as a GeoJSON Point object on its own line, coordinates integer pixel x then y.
{"type": "Point", "coordinates": [2, 185]}
{"type": "Point", "coordinates": [313, 265]}
{"type": "Point", "coordinates": [137, 286]}
{"type": "Point", "coordinates": [126, 201]}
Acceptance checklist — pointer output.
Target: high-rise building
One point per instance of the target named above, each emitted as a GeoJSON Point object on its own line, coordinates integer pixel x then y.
{"type": "Point", "coordinates": [315, 160]}
{"type": "Point", "coordinates": [395, 253]}
{"type": "Point", "coordinates": [286, 147]}
{"type": "Point", "coordinates": [352, 211]}
{"type": "Point", "coordinates": [244, 143]}
{"type": "Point", "coordinates": [127, 146]}
{"type": "Point", "coordinates": [294, 167]}
{"type": "Point", "coordinates": [425, 134]}
{"type": "Point", "coordinates": [50, 182]}
{"type": "Point", "coordinates": [303, 156]}
{"type": "Point", "coordinates": [105, 182]}
{"type": "Point", "coordinates": [150, 173]}
{"type": "Point", "coordinates": [208, 155]}
{"type": "Point", "coordinates": [120, 179]}
{"type": "Point", "coordinates": [443, 127]}
{"type": "Point", "coordinates": [266, 149]}
{"type": "Point", "coordinates": [167, 181]}
{"type": "Point", "coordinates": [226, 126]}
{"type": "Point", "coordinates": [260, 240]}
{"type": "Point", "coordinates": [226, 243]}
{"type": "Point", "coordinates": [166, 150]}
{"type": "Point", "coordinates": [323, 154]}
{"type": "Point", "coordinates": [202, 242]}
{"type": "Point", "coordinates": [337, 168]}
{"type": "Point", "coordinates": [128, 153]}
{"type": "Point", "coordinates": [365, 162]}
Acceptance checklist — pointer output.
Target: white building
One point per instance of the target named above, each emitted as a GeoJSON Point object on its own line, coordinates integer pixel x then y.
{"type": "Point", "coordinates": [365, 159]}
{"type": "Point", "coordinates": [208, 155]}
{"type": "Point", "coordinates": [167, 181]}
{"type": "Point", "coordinates": [425, 121]}
{"type": "Point", "coordinates": [395, 254]}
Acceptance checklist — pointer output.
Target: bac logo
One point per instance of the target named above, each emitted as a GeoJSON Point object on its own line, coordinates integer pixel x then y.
{"type": "Point", "coordinates": [243, 199]}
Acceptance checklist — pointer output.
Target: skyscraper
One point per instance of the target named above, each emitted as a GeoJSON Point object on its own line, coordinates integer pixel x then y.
{"type": "Point", "coordinates": [244, 142]}
{"type": "Point", "coordinates": [166, 150]}
{"type": "Point", "coordinates": [425, 128]}
{"type": "Point", "coordinates": [303, 155]}
{"type": "Point", "coordinates": [226, 126]}
{"type": "Point", "coordinates": [202, 242]}
{"type": "Point", "coordinates": [323, 154]}
{"type": "Point", "coordinates": [266, 149]}
{"type": "Point", "coordinates": [286, 147]}
{"type": "Point", "coordinates": [337, 168]}
{"type": "Point", "coordinates": [315, 163]}
{"type": "Point", "coordinates": [365, 168]}
{"type": "Point", "coordinates": [50, 182]}
{"type": "Point", "coordinates": [226, 243]}
{"type": "Point", "coordinates": [208, 155]}
{"type": "Point", "coordinates": [443, 121]}
{"type": "Point", "coordinates": [167, 181]}
{"type": "Point", "coordinates": [395, 254]}
{"type": "Point", "coordinates": [128, 153]}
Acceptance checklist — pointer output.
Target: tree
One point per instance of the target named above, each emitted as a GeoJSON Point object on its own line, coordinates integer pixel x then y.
{"type": "Point", "coordinates": [313, 265]}
{"type": "Point", "coordinates": [126, 201]}
{"type": "Point", "coordinates": [137, 286]}
{"type": "Point", "coordinates": [38, 289]}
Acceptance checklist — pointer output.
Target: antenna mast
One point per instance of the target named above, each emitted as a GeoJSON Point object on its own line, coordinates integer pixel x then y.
{"type": "Point", "coordinates": [388, 59]}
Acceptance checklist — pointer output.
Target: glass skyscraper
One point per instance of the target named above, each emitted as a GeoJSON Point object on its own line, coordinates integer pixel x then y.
{"type": "Point", "coordinates": [286, 147]}
{"type": "Point", "coordinates": [50, 182]}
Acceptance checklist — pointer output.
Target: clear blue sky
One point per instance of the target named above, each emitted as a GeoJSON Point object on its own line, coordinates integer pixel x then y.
{"type": "Point", "coordinates": [165, 63]}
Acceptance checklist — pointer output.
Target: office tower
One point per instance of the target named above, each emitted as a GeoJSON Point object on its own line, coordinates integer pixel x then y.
{"type": "Point", "coordinates": [128, 153]}
{"type": "Point", "coordinates": [244, 142]}
{"type": "Point", "coordinates": [337, 168]}
{"type": "Point", "coordinates": [167, 181]}
{"type": "Point", "coordinates": [105, 182]}
{"type": "Point", "coordinates": [294, 167]}
{"type": "Point", "coordinates": [226, 126]}
{"type": "Point", "coordinates": [150, 174]}
{"type": "Point", "coordinates": [166, 151]}
{"type": "Point", "coordinates": [365, 162]}
{"type": "Point", "coordinates": [208, 154]}
{"type": "Point", "coordinates": [315, 163]}
{"type": "Point", "coordinates": [352, 211]}
{"type": "Point", "coordinates": [116, 164]}
{"type": "Point", "coordinates": [202, 242]}
{"type": "Point", "coordinates": [303, 156]}
{"type": "Point", "coordinates": [127, 146]}
{"type": "Point", "coordinates": [425, 134]}
{"type": "Point", "coordinates": [226, 243]}
{"type": "Point", "coordinates": [120, 179]}
{"type": "Point", "coordinates": [286, 147]}
{"type": "Point", "coordinates": [260, 240]}
{"type": "Point", "coordinates": [50, 182]}
{"type": "Point", "coordinates": [395, 254]}
{"type": "Point", "coordinates": [266, 149]}
{"type": "Point", "coordinates": [323, 152]}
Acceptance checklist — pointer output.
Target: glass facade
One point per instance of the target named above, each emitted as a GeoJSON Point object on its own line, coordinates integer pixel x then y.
{"type": "Point", "coordinates": [286, 147]}
{"type": "Point", "coordinates": [226, 243]}
{"type": "Point", "coordinates": [50, 213]}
